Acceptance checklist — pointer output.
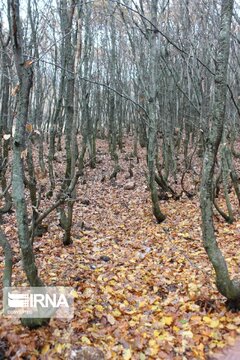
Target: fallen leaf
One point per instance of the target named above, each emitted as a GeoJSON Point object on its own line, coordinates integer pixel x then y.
{"type": "Point", "coordinates": [111, 319]}
{"type": "Point", "coordinates": [45, 349]}
{"type": "Point", "coordinates": [85, 340]}
{"type": "Point", "coordinates": [127, 354]}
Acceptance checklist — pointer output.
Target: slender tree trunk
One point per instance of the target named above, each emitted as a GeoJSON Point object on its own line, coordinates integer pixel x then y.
{"type": "Point", "coordinates": [5, 143]}
{"type": "Point", "coordinates": [152, 128]}
{"type": "Point", "coordinates": [7, 273]}
{"type": "Point", "coordinates": [227, 287]}
{"type": "Point", "coordinates": [25, 75]}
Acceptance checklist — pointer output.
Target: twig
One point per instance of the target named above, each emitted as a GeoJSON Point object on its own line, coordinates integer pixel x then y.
{"type": "Point", "coordinates": [5, 191]}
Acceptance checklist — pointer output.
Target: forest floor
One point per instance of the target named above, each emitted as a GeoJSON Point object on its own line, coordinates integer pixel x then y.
{"type": "Point", "coordinates": [143, 290]}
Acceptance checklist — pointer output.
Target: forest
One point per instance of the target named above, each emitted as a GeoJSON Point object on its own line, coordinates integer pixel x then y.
{"type": "Point", "coordinates": [120, 177]}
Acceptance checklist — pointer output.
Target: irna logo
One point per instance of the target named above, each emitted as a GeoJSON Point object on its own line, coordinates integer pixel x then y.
{"type": "Point", "coordinates": [39, 301]}
{"type": "Point", "coordinates": [34, 300]}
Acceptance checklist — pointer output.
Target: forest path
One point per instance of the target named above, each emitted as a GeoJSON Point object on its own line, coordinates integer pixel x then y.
{"type": "Point", "coordinates": [143, 290]}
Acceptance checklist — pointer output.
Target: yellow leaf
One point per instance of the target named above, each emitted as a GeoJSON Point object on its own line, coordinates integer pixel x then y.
{"type": "Point", "coordinates": [59, 348]}
{"type": "Point", "coordinates": [167, 320]}
{"type": "Point", "coordinates": [214, 335]}
{"type": "Point", "coordinates": [214, 324]}
{"type": "Point", "coordinates": [112, 282]}
{"type": "Point", "coordinates": [45, 349]}
{"type": "Point", "coordinates": [165, 336]}
{"type": "Point", "coordinates": [154, 347]}
{"type": "Point", "coordinates": [99, 308]}
{"type": "Point", "coordinates": [29, 127]}
{"type": "Point", "coordinates": [141, 304]}
{"type": "Point", "coordinates": [220, 344]}
{"type": "Point", "coordinates": [196, 318]}
{"type": "Point", "coordinates": [207, 319]}
{"type": "Point", "coordinates": [109, 289]}
{"type": "Point", "coordinates": [116, 313]}
{"type": "Point", "coordinates": [100, 278]}
{"type": "Point", "coordinates": [200, 347]}
{"type": "Point", "coordinates": [86, 340]}
{"type": "Point", "coordinates": [74, 294]}
{"type": "Point", "coordinates": [127, 354]}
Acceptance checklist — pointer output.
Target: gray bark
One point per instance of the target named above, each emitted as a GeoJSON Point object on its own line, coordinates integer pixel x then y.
{"type": "Point", "coordinates": [227, 287]}
{"type": "Point", "coordinates": [152, 127]}
{"type": "Point", "coordinates": [25, 74]}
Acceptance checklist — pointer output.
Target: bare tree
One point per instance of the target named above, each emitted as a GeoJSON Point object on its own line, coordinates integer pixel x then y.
{"type": "Point", "coordinates": [25, 74]}
{"type": "Point", "coordinates": [227, 287]}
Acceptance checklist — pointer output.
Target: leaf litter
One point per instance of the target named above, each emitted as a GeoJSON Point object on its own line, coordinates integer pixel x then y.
{"type": "Point", "coordinates": [142, 290]}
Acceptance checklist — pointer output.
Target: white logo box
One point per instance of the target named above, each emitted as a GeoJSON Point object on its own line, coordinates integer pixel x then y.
{"type": "Point", "coordinates": [38, 302]}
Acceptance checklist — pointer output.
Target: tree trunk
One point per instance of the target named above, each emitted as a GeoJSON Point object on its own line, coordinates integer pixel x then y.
{"type": "Point", "coordinates": [152, 128]}
{"type": "Point", "coordinates": [25, 75]}
{"type": "Point", "coordinates": [227, 287]}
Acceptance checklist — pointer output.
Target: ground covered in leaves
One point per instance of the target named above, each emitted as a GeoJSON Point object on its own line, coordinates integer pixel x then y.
{"type": "Point", "coordinates": [143, 290]}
